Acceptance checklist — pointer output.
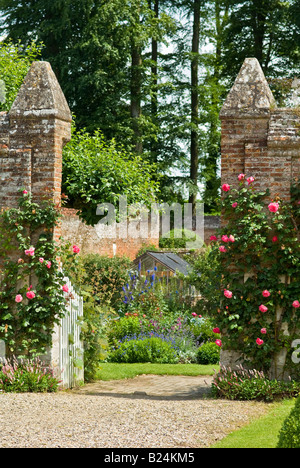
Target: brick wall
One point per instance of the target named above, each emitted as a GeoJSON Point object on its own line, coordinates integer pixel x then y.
{"type": "Point", "coordinates": [92, 240]}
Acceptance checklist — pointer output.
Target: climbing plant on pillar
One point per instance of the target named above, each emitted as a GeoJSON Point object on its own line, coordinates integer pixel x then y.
{"type": "Point", "coordinates": [258, 248]}
{"type": "Point", "coordinates": [32, 284]}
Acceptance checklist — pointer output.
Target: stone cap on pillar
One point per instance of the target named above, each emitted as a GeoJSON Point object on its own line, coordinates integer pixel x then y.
{"type": "Point", "coordinates": [41, 95]}
{"type": "Point", "coordinates": [250, 95]}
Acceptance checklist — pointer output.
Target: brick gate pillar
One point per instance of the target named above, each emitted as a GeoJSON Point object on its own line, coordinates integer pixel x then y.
{"type": "Point", "coordinates": [36, 128]}
{"type": "Point", "coordinates": [263, 141]}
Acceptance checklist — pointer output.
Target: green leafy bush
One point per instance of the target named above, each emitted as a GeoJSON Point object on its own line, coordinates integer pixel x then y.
{"type": "Point", "coordinates": [244, 384]}
{"type": "Point", "coordinates": [15, 61]}
{"type": "Point", "coordinates": [27, 376]}
{"type": "Point", "coordinates": [105, 277]}
{"type": "Point", "coordinates": [289, 436]}
{"type": "Point", "coordinates": [179, 239]}
{"type": "Point", "coordinates": [208, 353]}
{"type": "Point", "coordinates": [122, 328]}
{"type": "Point", "coordinates": [97, 171]}
{"type": "Point", "coordinates": [145, 349]}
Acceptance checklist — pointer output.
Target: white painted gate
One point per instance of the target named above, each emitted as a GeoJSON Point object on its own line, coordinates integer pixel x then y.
{"type": "Point", "coordinates": [71, 352]}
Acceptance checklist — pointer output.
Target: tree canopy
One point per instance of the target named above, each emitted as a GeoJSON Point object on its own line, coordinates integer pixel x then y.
{"type": "Point", "coordinates": [153, 74]}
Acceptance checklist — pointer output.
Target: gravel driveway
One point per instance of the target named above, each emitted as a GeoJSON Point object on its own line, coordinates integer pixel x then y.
{"type": "Point", "coordinates": [96, 417]}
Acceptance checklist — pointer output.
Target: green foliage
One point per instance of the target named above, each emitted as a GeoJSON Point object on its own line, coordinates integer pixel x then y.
{"type": "Point", "coordinates": [103, 276]}
{"type": "Point", "coordinates": [244, 384]}
{"type": "Point", "coordinates": [99, 280]}
{"type": "Point", "coordinates": [120, 328]}
{"type": "Point", "coordinates": [27, 376]}
{"type": "Point", "coordinates": [179, 238]}
{"type": "Point", "coordinates": [255, 28]}
{"type": "Point", "coordinates": [289, 436]}
{"type": "Point", "coordinates": [208, 353]}
{"type": "Point", "coordinates": [32, 299]}
{"type": "Point", "coordinates": [146, 349]}
{"type": "Point", "coordinates": [264, 250]}
{"type": "Point", "coordinates": [202, 329]}
{"type": "Point", "coordinates": [15, 61]}
{"type": "Point", "coordinates": [205, 275]}
{"type": "Point", "coordinates": [99, 172]}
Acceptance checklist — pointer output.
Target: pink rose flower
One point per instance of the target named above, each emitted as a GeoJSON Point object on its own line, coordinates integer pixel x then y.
{"type": "Point", "coordinates": [65, 288]}
{"type": "Point", "coordinates": [213, 238]}
{"type": "Point", "coordinates": [218, 343]}
{"type": "Point", "coordinates": [222, 249]}
{"type": "Point", "coordinates": [25, 192]}
{"type": "Point", "coordinates": [216, 330]}
{"type": "Point", "coordinates": [194, 314]}
{"type": "Point", "coordinates": [266, 293]}
{"type": "Point", "coordinates": [30, 295]}
{"type": "Point", "coordinates": [234, 205]}
{"type": "Point", "coordinates": [19, 298]}
{"type": "Point", "coordinates": [228, 294]}
{"type": "Point", "coordinates": [263, 331]}
{"type": "Point", "coordinates": [273, 207]}
{"type": "Point", "coordinates": [250, 180]}
{"type": "Point", "coordinates": [41, 260]}
{"type": "Point", "coordinates": [76, 249]}
{"type": "Point", "coordinates": [275, 239]}
{"type": "Point", "coordinates": [48, 264]}
{"type": "Point", "coordinates": [225, 238]}
{"type": "Point", "coordinates": [263, 308]}
{"type": "Point", "coordinates": [259, 342]}
{"type": "Point", "coordinates": [30, 252]}
{"type": "Point", "coordinates": [231, 238]}
{"type": "Point", "coordinates": [296, 304]}
{"type": "Point", "coordinates": [241, 177]}
{"type": "Point", "coordinates": [225, 187]}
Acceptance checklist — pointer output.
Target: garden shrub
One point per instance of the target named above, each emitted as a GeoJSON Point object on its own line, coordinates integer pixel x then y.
{"type": "Point", "coordinates": [150, 307]}
{"type": "Point", "coordinates": [145, 349]}
{"type": "Point", "coordinates": [245, 384]}
{"type": "Point", "coordinates": [99, 280]}
{"type": "Point", "coordinates": [289, 436]}
{"type": "Point", "coordinates": [27, 376]}
{"type": "Point", "coordinates": [179, 239]}
{"type": "Point", "coordinates": [104, 277]}
{"type": "Point", "coordinates": [202, 329]}
{"type": "Point", "coordinates": [121, 328]}
{"type": "Point", "coordinates": [32, 283]}
{"type": "Point", "coordinates": [208, 353]}
{"type": "Point", "coordinates": [252, 275]}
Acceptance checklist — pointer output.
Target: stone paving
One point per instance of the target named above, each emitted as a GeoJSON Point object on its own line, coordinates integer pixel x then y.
{"type": "Point", "coordinates": [152, 386]}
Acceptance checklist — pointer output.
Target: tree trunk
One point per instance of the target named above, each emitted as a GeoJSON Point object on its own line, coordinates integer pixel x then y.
{"type": "Point", "coordinates": [194, 164]}
{"type": "Point", "coordinates": [135, 90]}
{"type": "Point", "coordinates": [154, 73]}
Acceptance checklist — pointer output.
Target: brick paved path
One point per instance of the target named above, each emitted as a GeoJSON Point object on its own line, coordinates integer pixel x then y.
{"type": "Point", "coordinates": [152, 386]}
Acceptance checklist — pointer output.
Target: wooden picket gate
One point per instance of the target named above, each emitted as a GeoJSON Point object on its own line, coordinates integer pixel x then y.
{"type": "Point", "coordinates": [71, 352]}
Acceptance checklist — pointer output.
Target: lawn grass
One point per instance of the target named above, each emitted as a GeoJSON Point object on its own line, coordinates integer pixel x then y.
{"type": "Point", "coordinates": [115, 371]}
{"type": "Point", "coordinates": [261, 433]}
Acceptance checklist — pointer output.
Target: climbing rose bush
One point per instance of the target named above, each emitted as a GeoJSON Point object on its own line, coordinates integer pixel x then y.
{"type": "Point", "coordinates": [258, 254]}
{"type": "Point", "coordinates": [33, 292]}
